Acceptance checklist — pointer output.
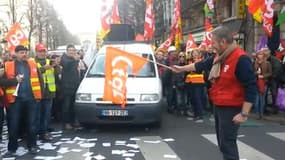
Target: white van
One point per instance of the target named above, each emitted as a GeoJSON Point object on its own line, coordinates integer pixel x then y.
{"type": "Point", "coordinates": [144, 91]}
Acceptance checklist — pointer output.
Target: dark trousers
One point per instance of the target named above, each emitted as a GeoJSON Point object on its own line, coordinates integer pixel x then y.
{"type": "Point", "coordinates": [44, 115]}
{"type": "Point", "coordinates": [227, 131]}
{"type": "Point", "coordinates": [1, 120]}
{"type": "Point", "coordinates": [171, 97]}
{"type": "Point", "coordinates": [181, 98]}
{"type": "Point", "coordinates": [68, 112]}
{"type": "Point", "coordinates": [15, 112]}
{"type": "Point", "coordinates": [197, 98]}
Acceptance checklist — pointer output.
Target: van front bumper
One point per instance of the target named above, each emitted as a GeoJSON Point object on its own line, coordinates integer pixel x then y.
{"type": "Point", "coordinates": [91, 113]}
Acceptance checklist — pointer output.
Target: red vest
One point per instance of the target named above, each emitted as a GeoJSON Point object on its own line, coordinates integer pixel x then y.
{"type": "Point", "coordinates": [227, 90]}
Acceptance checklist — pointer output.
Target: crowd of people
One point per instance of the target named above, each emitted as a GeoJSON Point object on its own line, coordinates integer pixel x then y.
{"type": "Point", "coordinates": [187, 92]}
{"type": "Point", "coordinates": [35, 89]}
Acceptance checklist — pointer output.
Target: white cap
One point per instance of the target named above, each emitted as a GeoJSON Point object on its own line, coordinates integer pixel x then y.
{"type": "Point", "coordinates": [171, 49]}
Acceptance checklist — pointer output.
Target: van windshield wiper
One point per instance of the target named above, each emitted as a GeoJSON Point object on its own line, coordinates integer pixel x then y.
{"type": "Point", "coordinates": [96, 75]}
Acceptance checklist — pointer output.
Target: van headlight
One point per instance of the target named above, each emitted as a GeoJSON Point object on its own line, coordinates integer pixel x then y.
{"type": "Point", "coordinates": [83, 96]}
{"type": "Point", "coordinates": [149, 97]}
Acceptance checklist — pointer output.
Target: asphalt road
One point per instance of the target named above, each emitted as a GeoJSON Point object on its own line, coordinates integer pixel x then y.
{"type": "Point", "coordinates": [178, 138]}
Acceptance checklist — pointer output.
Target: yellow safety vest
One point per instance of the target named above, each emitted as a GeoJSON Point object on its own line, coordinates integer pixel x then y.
{"type": "Point", "coordinates": [48, 77]}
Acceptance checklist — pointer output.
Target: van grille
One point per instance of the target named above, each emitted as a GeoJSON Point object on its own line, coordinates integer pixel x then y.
{"type": "Point", "coordinates": [128, 99]}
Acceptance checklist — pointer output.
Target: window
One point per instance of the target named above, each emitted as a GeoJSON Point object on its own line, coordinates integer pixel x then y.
{"type": "Point", "coordinates": [97, 69]}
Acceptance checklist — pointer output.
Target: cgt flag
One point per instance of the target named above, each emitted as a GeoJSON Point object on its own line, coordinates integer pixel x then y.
{"type": "Point", "coordinates": [116, 65]}
{"type": "Point", "coordinates": [15, 37]}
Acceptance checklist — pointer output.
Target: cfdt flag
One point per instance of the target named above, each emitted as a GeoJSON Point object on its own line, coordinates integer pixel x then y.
{"type": "Point", "coordinates": [149, 27]}
{"type": "Point", "coordinates": [15, 37]}
{"type": "Point", "coordinates": [116, 74]}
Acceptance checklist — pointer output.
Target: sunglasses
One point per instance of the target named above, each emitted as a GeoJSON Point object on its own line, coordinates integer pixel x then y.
{"type": "Point", "coordinates": [181, 56]}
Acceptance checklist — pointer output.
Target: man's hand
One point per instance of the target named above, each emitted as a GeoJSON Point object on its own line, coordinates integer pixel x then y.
{"type": "Point", "coordinates": [238, 119]}
{"type": "Point", "coordinates": [20, 78]}
{"type": "Point", "coordinates": [177, 69]}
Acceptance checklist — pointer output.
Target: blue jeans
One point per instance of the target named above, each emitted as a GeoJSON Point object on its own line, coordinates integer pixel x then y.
{"type": "Point", "coordinates": [28, 109]}
{"type": "Point", "coordinates": [227, 131]}
{"type": "Point", "coordinates": [197, 99]}
{"type": "Point", "coordinates": [259, 104]}
{"type": "Point", "coordinates": [44, 115]}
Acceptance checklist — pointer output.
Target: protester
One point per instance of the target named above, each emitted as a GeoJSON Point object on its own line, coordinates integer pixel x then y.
{"type": "Point", "coordinates": [233, 90]}
{"type": "Point", "coordinates": [47, 79]}
{"type": "Point", "coordinates": [70, 82]}
{"type": "Point", "coordinates": [23, 99]}
{"type": "Point", "coordinates": [263, 71]}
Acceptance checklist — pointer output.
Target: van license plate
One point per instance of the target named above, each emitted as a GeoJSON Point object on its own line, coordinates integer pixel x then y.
{"type": "Point", "coordinates": [114, 113]}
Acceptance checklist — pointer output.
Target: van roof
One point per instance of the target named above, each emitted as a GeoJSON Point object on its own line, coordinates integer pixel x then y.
{"type": "Point", "coordinates": [130, 46]}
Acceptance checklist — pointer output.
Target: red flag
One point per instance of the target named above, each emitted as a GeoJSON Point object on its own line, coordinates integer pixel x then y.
{"type": "Point", "coordinates": [115, 13]}
{"type": "Point", "coordinates": [267, 17]}
{"type": "Point", "coordinates": [149, 26]}
{"type": "Point", "coordinates": [166, 44]}
{"type": "Point", "coordinates": [208, 36]}
{"type": "Point", "coordinates": [116, 70]}
{"type": "Point", "coordinates": [254, 5]}
{"type": "Point", "coordinates": [178, 24]}
{"type": "Point", "coordinates": [16, 37]}
{"type": "Point", "coordinates": [105, 19]}
{"type": "Point", "coordinates": [139, 37]}
{"type": "Point", "coordinates": [190, 43]}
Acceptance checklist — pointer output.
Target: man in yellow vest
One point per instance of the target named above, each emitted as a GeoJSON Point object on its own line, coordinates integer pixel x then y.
{"type": "Point", "coordinates": [22, 98]}
{"type": "Point", "coordinates": [47, 81]}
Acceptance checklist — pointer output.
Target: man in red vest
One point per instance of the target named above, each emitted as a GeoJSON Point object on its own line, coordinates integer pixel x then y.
{"type": "Point", "coordinates": [233, 88]}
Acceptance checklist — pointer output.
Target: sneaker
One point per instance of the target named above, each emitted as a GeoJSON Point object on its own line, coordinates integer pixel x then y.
{"type": "Point", "coordinates": [77, 126]}
{"type": "Point", "coordinates": [68, 127]}
{"type": "Point", "coordinates": [199, 120]}
{"type": "Point", "coordinates": [189, 114]}
{"type": "Point", "coordinates": [45, 137]}
{"type": "Point", "coordinates": [10, 154]}
{"type": "Point", "coordinates": [33, 150]}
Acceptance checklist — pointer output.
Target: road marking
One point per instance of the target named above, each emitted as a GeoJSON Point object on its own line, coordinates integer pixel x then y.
{"type": "Point", "coordinates": [245, 151]}
{"type": "Point", "coordinates": [154, 148]}
{"type": "Point", "coordinates": [279, 135]}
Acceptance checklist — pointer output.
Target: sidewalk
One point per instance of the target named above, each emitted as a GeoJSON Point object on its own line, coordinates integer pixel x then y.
{"type": "Point", "coordinates": [278, 118]}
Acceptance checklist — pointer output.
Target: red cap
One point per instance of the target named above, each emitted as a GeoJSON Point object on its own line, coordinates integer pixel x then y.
{"type": "Point", "coordinates": [40, 47]}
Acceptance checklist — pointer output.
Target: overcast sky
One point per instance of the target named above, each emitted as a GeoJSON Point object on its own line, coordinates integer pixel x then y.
{"type": "Point", "coordinates": [79, 15]}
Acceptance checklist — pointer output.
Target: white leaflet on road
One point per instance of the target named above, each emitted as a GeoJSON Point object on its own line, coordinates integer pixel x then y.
{"type": "Point", "coordinates": [92, 139]}
{"type": "Point", "coordinates": [135, 139]}
{"type": "Point", "coordinates": [87, 145]}
{"type": "Point", "coordinates": [21, 151]}
{"type": "Point", "coordinates": [65, 139]}
{"type": "Point", "coordinates": [154, 142]}
{"type": "Point", "coordinates": [128, 158]}
{"type": "Point", "coordinates": [57, 143]}
{"type": "Point", "coordinates": [88, 158]}
{"type": "Point", "coordinates": [87, 154]}
{"type": "Point", "coordinates": [76, 150]}
{"type": "Point", "coordinates": [49, 157]}
{"type": "Point", "coordinates": [47, 146]}
{"type": "Point", "coordinates": [78, 139]}
{"type": "Point", "coordinates": [39, 143]}
{"type": "Point", "coordinates": [63, 150]}
{"type": "Point", "coordinates": [169, 156]}
{"type": "Point", "coordinates": [69, 142]}
{"type": "Point", "coordinates": [239, 136]}
{"type": "Point", "coordinates": [9, 158]}
{"type": "Point", "coordinates": [56, 132]}
{"type": "Point", "coordinates": [128, 154]}
{"type": "Point", "coordinates": [106, 144]}
{"type": "Point", "coordinates": [56, 135]}
{"type": "Point", "coordinates": [118, 152]}
{"type": "Point", "coordinates": [135, 146]}
{"type": "Point", "coordinates": [99, 157]}
{"type": "Point", "coordinates": [168, 140]}
{"type": "Point", "coordinates": [119, 143]}
{"type": "Point", "coordinates": [134, 151]}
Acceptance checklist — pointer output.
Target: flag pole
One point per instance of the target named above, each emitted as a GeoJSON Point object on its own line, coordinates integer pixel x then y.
{"type": "Point", "coordinates": [162, 65]}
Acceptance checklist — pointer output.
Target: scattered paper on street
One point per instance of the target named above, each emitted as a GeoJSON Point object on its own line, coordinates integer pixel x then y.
{"type": "Point", "coordinates": [128, 154]}
{"type": "Point", "coordinates": [168, 140]}
{"type": "Point", "coordinates": [76, 150]}
{"type": "Point", "coordinates": [135, 139]}
{"type": "Point", "coordinates": [106, 144]}
{"type": "Point", "coordinates": [154, 142]}
{"type": "Point", "coordinates": [99, 157]}
{"type": "Point", "coordinates": [87, 154]}
{"type": "Point", "coordinates": [87, 145]}
{"type": "Point", "coordinates": [47, 146]}
{"type": "Point", "coordinates": [135, 146]}
{"type": "Point", "coordinates": [63, 150]}
{"type": "Point", "coordinates": [169, 156]}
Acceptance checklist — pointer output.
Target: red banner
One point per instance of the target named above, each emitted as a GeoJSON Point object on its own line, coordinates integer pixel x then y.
{"type": "Point", "coordinates": [116, 70]}
{"type": "Point", "coordinates": [105, 19]}
{"type": "Point", "coordinates": [115, 13]}
{"type": "Point", "coordinates": [190, 43]}
{"type": "Point", "coordinates": [149, 26]}
{"type": "Point", "coordinates": [16, 37]}
{"type": "Point", "coordinates": [267, 17]}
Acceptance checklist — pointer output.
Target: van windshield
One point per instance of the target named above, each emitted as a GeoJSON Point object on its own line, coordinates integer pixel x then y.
{"type": "Point", "coordinates": [97, 68]}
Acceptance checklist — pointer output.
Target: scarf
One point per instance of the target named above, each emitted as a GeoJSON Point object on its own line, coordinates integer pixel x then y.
{"type": "Point", "coordinates": [219, 60]}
